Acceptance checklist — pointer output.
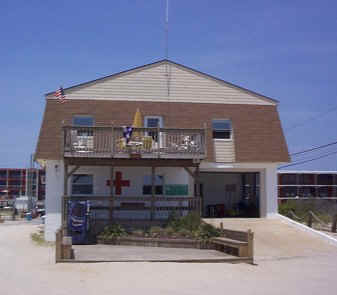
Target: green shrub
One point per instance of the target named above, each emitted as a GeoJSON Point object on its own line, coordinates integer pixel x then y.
{"type": "Point", "coordinates": [174, 221]}
{"type": "Point", "coordinates": [112, 231]}
{"type": "Point", "coordinates": [191, 221]}
{"type": "Point", "coordinates": [206, 231]}
{"type": "Point", "coordinates": [324, 209]}
{"type": "Point", "coordinates": [38, 239]}
{"type": "Point", "coordinates": [138, 232]}
{"type": "Point", "coordinates": [286, 207]}
{"type": "Point", "coordinates": [155, 231]}
{"type": "Point", "coordinates": [183, 232]}
{"type": "Point", "coordinates": [169, 231]}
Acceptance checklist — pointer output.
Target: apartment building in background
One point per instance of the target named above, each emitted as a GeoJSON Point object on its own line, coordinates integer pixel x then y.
{"type": "Point", "coordinates": [15, 182]}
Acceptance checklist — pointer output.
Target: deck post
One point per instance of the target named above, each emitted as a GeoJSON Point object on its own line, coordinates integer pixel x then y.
{"type": "Point", "coordinates": [197, 189]}
{"type": "Point", "coordinates": [112, 140]}
{"type": "Point", "coordinates": [158, 140]}
{"type": "Point", "coordinates": [153, 191]}
{"type": "Point", "coordinates": [111, 201]}
{"type": "Point", "coordinates": [65, 194]}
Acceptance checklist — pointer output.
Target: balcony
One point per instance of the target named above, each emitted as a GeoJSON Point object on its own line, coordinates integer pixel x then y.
{"type": "Point", "coordinates": [135, 143]}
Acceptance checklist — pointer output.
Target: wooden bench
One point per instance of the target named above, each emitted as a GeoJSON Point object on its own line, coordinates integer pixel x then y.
{"type": "Point", "coordinates": [233, 239]}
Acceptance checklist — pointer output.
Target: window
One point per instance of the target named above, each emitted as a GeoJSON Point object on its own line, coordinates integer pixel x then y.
{"type": "Point", "coordinates": [15, 174]}
{"type": "Point", "coordinates": [153, 122]}
{"type": "Point", "coordinates": [82, 120]}
{"type": "Point", "coordinates": [159, 185]}
{"type": "Point", "coordinates": [288, 179]}
{"type": "Point", "coordinates": [82, 184]}
{"type": "Point", "coordinates": [324, 179]}
{"type": "Point", "coordinates": [307, 179]}
{"type": "Point", "coordinates": [222, 129]}
{"type": "Point", "coordinates": [324, 192]}
{"type": "Point", "coordinates": [307, 192]}
{"type": "Point", "coordinates": [288, 192]}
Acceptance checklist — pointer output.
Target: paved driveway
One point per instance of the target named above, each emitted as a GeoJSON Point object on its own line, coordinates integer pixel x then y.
{"type": "Point", "coordinates": [29, 269]}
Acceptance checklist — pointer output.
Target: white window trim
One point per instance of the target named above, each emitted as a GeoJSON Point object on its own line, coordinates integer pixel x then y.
{"type": "Point", "coordinates": [153, 117]}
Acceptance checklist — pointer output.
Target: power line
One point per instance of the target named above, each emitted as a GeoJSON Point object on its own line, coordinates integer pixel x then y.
{"type": "Point", "coordinates": [310, 119]}
{"type": "Point", "coordinates": [310, 160]}
{"type": "Point", "coordinates": [313, 149]}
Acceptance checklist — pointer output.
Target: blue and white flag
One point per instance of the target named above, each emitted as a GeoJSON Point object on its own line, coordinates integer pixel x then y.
{"type": "Point", "coordinates": [127, 132]}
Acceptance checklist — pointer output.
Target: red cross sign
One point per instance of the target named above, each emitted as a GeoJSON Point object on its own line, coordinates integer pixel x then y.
{"type": "Point", "coordinates": [119, 183]}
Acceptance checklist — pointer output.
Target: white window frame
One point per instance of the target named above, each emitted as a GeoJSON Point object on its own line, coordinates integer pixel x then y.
{"type": "Point", "coordinates": [223, 139]}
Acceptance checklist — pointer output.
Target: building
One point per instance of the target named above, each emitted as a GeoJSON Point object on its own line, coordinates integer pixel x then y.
{"type": "Point", "coordinates": [15, 182]}
{"type": "Point", "coordinates": [197, 143]}
{"type": "Point", "coordinates": [307, 185]}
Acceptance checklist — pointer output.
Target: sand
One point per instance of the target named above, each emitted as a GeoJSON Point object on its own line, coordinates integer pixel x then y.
{"type": "Point", "coordinates": [26, 268]}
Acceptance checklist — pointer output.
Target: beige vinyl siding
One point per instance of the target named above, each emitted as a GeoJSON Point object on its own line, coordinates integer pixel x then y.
{"type": "Point", "coordinates": [151, 84]}
{"type": "Point", "coordinates": [224, 151]}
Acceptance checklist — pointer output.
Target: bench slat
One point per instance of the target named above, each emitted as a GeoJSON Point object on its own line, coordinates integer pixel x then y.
{"type": "Point", "coordinates": [228, 241]}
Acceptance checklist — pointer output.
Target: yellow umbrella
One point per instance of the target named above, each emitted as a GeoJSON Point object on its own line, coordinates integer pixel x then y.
{"type": "Point", "coordinates": [137, 123]}
{"type": "Point", "coordinates": [137, 120]}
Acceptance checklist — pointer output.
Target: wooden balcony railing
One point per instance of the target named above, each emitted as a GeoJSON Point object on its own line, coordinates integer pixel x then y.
{"type": "Point", "coordinates": [117, 142]}
{"type": "Point", "coordinates": [113, 205]}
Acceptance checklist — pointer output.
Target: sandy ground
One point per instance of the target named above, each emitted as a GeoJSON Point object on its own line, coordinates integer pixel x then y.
{"type": "Point", "coordinates": [29, 269]}
{"type": "Point", "coordinates": [274, 238]}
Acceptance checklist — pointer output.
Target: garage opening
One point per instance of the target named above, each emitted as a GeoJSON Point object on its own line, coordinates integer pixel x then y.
{"type": "Point", "coordinates": [230, 194]}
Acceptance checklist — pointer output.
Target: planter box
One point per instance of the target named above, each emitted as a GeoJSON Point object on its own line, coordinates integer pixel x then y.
{"type": "Point", "coordinates": [157, 242]}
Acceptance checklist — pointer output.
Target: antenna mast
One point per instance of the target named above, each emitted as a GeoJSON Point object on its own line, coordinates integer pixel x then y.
{"type": "Point", "coordinates": [166, 29]}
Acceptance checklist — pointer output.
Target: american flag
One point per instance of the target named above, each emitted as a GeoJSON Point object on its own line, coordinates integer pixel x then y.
{"type": "Point", "coordinates": [60, 95]}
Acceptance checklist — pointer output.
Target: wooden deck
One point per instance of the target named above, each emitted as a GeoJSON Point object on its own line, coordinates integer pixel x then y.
{"type": "Point", "coordinates": [140, 143]}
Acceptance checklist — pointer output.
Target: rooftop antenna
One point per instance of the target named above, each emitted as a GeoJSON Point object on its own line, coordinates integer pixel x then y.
{"type": "Point", "coordinates": [166, 29]}
{"type": "Point", "coordinates": [167, 66]}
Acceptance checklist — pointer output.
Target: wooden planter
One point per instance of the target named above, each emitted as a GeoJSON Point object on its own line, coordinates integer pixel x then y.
{"type": "Point", "coordinates": [157, 242]}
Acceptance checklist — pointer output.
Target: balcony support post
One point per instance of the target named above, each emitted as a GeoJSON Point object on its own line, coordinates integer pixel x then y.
{"type": "Point", "coordinates": [197, 190]}
{"type": "Point", "coordinates": [112, 140]}
{"type": "Point", "coordinates": [111, 201]}
{"type": "Point", "coordinates": [64, 200]}
{"type": "Point", "coordinates": [153, 191]}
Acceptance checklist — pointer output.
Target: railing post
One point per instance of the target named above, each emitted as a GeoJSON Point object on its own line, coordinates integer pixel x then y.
{"type": "Point", "coordinates": [112, 140]}
{"type": "Point", "coordinates": [204, 140]}
{"type": "Point", "coordinates": [158, 139]}
{"type": "Point", "coordinates": [153, 191]}
{"type": "Point", "coordinates": [111, 202]}
{"type": "Point", "coordinates": [334, 223]}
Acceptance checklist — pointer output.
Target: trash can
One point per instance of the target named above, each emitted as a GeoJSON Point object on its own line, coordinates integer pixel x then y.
{"type": "Point", "coordinates": [29, 216]}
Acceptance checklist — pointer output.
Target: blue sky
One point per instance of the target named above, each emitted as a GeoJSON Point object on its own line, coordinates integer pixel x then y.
{"type": "Point", "coordinates": [283, 49]}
